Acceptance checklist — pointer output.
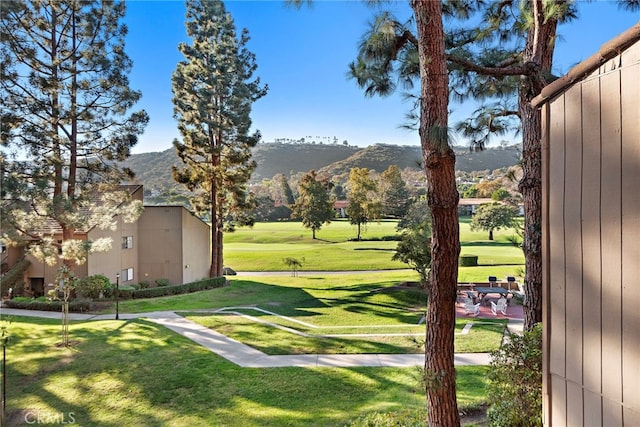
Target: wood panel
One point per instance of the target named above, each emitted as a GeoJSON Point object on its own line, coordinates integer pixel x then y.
{"type": "Point", "coordinates": [546, 318]}
{"type": "Point", "coordinates": [630, 82]}
{"type": "Point", "coordinates": [591, 267]}
{"type": "Point", "coordinates": [611, 413]}
{"type": "Point", "coordinates": [611, 236]}
{"type": "Point", "coordinates": [572, 235]}
{"type": "Point", "coordinates": [592, 409]}
{"type": "Point", "coordinates": [558, 401]}
{"type": "Point", "coordinates": [556, 240]}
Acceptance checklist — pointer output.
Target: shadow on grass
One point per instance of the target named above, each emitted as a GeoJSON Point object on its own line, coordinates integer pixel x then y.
{"type": "Point", "coordinates": [140, 373]}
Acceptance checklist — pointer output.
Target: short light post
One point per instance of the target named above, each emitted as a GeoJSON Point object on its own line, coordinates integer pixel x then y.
{"type": "Point", "coordinates": [117, 295]}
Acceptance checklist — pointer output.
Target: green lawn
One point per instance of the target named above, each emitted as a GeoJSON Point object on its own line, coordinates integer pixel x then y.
{"type": "Point", "coordinates": [265, 246]}
{"type": "Point", "coordinates": [139, 373]}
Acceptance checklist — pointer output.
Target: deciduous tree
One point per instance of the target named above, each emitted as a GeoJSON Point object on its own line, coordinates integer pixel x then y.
{"type": "Point", "coordinates": [213, 91]}
{"type": "Point", "coordinates": [364, 205]}
{"type": "Point", "coordinates": [313, 205]}
{"type": "Point", "coordinates": [493, 216]}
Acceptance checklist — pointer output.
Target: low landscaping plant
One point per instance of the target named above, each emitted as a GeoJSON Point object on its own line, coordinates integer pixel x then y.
{"type": "Point", "coordinates": [515, 381]}
{"type": "Point", "coordinates": [94, 287]}
{"type": "Point", "coordinates": [76, 306]}
{"type": "Point", "coordinates": [186, 288]}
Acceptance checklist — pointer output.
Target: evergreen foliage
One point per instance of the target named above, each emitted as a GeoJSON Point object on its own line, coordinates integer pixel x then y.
{"type": "Point", "coordinates": [394, 194]}
{"type": "Point", "coordinates": [213, 91]}
{"type": "Point", "coordinates": [65, 102]}
{"type": "Point", "coordinates": [414, 247]}
{"type": "Point", "coordinates": [515, 391]}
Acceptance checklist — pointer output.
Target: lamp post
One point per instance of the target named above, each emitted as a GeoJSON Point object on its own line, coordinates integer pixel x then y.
{"type": "Point", "coordinates": [117, 294]}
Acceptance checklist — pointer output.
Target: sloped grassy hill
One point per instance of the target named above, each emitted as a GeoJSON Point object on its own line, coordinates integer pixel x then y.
{"type": "Point", "coordinates": [154, 169]}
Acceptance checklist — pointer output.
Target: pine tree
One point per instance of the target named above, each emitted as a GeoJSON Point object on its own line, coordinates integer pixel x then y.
{"type": "Point", "coordinates": [65, 102]}
{"type": "Point", "coordinates": [64, 84]}
{"type": "Point", "coordinates": [313, 205]}
{"type": "Point", "coordinates": [391, 56]}
{"type": "Point", "coordinates": [394, 193]}
{"type": "Point", "coordinates": [213, 92]}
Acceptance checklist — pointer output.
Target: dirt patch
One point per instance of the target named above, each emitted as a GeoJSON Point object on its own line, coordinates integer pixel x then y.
{"type": "Point", "coordinates": [474, 417]}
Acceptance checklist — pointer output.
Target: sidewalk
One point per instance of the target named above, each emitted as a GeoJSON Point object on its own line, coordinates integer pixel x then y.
{"type": "Point", "coordinates": [248, 357]}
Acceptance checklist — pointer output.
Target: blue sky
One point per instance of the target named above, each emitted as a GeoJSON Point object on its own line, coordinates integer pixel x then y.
{"type": "Point", "coordinates": [303, 56]}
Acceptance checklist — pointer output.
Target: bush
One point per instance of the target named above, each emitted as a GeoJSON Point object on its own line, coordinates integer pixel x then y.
{"type": "Point", "coordinates": [187, 288]}
{"type": "Point", "coordinates": [515, 381]}
{"type": "Point", "coordinates": [76, 306]}
{"type": "Point", "coordinates": [144, 284]}
{"type": "Point", "coordinates": [93, 286]}
{"type": "Point", "coordinates": [468, 261]}
{"type": "Point", "coordinates": [163, 282]}
{"type": "Point", "coordinates": [406, 417]}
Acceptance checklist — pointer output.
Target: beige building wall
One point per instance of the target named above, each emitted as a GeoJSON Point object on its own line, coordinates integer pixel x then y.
{"type": "Point", "coordinates": [196, 238]}
{"type": "Point", "coordinates": [119, 259]}
{"type": "Point", "coordinates": [591, 234]}
{"type": "Point", "coordinates": [174, 245]}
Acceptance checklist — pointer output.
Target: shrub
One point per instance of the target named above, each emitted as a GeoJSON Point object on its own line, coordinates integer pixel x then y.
{"type": "Point", "coordinates": [515, 381]}
{"type": "Point", "coordinates": [200, 285]}
{"type": "Point", "coordinates": [93, 286]}
{"type": "Point", "coordinates": [406, 417]}
{"type": "Point", "coordinates": [144, 284]}
{"type": "Point", "coordinates": [468, 260]}
{"type": "Point", "coordinates": [77, 306]}
{"type": "Point", "coordinates": [163, 282]}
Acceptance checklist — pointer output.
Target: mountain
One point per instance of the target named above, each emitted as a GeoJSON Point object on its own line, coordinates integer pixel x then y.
{"type": "Point", "coordinates": [154, 169]}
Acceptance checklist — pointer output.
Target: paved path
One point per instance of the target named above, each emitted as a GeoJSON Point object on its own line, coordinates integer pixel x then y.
{"type": "Point", "coordinates": [248, 357]}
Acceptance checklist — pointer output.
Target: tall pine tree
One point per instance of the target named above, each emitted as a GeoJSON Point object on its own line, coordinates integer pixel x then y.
{"type": "Point", "coordinates": [65, 99]}
{"type": "Point", "coordinates": [213, 91]}
{"type": "Point", "coordinates": [65, 102]}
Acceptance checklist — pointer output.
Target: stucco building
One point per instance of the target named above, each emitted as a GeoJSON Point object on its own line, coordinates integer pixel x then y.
{"type": "Point", "coordinates": [166, 242]}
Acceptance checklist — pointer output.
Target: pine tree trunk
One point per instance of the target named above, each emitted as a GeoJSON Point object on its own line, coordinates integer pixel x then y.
{"type": "Point", "coordinates": [213, 272]}
{"type": "Point", "coordinates": [439, 161]}
{"type": "Point", "coordinates": [539, 51]}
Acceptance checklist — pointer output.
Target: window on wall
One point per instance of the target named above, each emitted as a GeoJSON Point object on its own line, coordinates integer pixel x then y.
{"type": "Point", "coordinates": [126, 274]}
{"type": "Point", "coordinates": [127, 242]}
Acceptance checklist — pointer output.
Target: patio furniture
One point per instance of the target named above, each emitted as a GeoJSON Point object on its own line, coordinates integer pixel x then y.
{"type": "Point", "coordinates": [501, 306]}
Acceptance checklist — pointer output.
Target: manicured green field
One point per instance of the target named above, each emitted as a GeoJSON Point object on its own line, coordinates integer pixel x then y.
{"type": "Point", "coordinates": [139, 373]}
{"type": "Point", "coordinates": [266, 245]}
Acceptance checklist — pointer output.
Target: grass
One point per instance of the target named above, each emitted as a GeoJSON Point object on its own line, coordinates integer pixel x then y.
{"type": "Point", "coordinates": [320, 305]}
{"type": "Point", "coordinates": [266, 245]}
{"type": "Point", "coordinates": [139, 373]}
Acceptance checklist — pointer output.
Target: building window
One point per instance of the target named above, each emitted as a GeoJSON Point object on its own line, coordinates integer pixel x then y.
{"type": "Point", "coordinates": [127, 242]}
{"type": "Point", "coordinates": [127, 274]}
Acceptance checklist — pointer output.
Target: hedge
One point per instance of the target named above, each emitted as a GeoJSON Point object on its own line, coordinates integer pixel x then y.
{"type": "Point", "coordinates": [200, 285]}
{"type": "Point", "coordinates": [76, 306]}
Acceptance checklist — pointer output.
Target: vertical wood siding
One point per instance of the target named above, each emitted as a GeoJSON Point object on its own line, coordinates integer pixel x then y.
{"type": "Point", "coordinates": [592, 247]}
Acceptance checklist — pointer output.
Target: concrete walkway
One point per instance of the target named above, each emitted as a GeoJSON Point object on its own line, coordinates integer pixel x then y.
{"type": "Point", "coordinates": [248, 357]}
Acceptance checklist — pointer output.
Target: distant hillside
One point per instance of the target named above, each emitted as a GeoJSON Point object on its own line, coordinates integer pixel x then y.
{"type": "Point", "coordinates": [154, 169]}
{"type": "Point", "coordinates": [274, 158]}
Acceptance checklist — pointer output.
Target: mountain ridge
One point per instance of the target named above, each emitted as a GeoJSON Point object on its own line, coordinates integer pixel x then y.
{"type": "Point", "coordinates": [153, 169]}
